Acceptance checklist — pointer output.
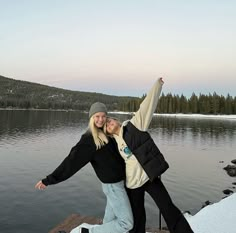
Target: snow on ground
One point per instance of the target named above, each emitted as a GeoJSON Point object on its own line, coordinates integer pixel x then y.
{"type": "Point", "coordinates": [180, 115]}
{"type": "Point", "coordinates": [231, 117]}
{"type": "Point", "coordinates": [215, 218]}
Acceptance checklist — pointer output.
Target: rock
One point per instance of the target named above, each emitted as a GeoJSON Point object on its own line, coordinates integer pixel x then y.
{"type": "Point", "coordinates": [206, 204]}
{"type": "Point", "coordinates": [233, 161]}
{"type": "Point", "coordinates": [231, 170]}
{"type": "Point", "coordinates": [187, 212]}
{"type": "Point", "coordinates": [227, 191]}
{"type": "Point", "coordinates": [234, 183]}
{"type": "Point", "coordinates": [221, 161]}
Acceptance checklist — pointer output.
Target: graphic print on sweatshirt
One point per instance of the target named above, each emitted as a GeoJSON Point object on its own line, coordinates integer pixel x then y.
{"type": "Point", "coordinates": [125, 149]}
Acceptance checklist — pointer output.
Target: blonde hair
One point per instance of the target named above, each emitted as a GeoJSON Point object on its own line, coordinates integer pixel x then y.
{"type": "Point", "coordinates": [105, 131]}
{"type": "Point", "coordinates": [99, 137]}
{"type": "Point", "coordinates": [105, 127]}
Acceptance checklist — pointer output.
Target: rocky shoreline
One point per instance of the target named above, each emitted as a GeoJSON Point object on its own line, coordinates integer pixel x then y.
{"type": "Point", "coordinates": [231, 171]}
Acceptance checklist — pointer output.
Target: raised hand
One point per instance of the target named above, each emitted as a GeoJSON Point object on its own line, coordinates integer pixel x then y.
{"type": "Point", "coordinates": [161, 80]}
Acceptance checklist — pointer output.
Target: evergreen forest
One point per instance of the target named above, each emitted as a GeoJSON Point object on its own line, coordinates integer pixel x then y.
{"type": "Point", "coordinates": [28, 95]}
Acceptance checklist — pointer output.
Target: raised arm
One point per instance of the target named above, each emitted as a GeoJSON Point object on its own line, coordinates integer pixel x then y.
{"type": "Point", "coordinates": [143, 116]}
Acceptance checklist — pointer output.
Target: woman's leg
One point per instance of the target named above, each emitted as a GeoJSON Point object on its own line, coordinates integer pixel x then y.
{"type": "Point", "coordinates": [109, 214]}
{"type": "Point", "coordinates": [136, 197]}
{"type": "Point", "coordinates": [175, 220]}
{"type": "Point", "coordinates": [119, 202]}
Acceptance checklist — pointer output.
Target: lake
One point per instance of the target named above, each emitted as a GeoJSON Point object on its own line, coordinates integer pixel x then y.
{"type": "Point", "coordinates": [33, 143]}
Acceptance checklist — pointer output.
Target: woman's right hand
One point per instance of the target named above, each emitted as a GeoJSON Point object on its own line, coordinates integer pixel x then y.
{"type": "Point", "coordinates": [161, 80]}
{"type": "Point", "coordinates": [40, 185]}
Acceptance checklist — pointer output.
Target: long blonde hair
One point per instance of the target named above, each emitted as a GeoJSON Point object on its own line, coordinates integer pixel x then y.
{"type": "Point", "coordinates": [100, 139]}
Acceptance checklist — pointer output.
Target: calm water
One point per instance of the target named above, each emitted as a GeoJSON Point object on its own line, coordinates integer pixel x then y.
{"type": "Point", "coordinates": [33, 143]}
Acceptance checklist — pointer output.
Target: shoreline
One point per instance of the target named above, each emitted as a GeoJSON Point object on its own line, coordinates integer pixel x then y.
{"type": "Point", "coordinates": [182, 115]}
{"type": "Point", "coordinates": [187, 115]}
{"type": "Point", "coordinates": [173, 115]}
{"type": "Point", "coordinates": [40, 109]}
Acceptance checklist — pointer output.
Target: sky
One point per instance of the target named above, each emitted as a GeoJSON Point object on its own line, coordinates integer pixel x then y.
{"type": "Point", "coordinates": [120, 47]}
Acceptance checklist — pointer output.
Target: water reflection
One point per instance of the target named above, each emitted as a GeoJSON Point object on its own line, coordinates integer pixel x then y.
{"type": "Point", "coordinates": [22, 123]}
{"type": "Point", "coordinates": [26, 119]}
{"type": "Point", "coordinates": [214, 129]}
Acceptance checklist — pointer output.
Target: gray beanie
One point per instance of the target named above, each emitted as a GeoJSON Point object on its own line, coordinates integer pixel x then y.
{"type": "Point", "coordinates": [97, 107]}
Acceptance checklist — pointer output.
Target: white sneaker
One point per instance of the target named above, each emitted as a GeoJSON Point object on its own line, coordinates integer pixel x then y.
{"type": "Point", "coordinates": [78, 228]}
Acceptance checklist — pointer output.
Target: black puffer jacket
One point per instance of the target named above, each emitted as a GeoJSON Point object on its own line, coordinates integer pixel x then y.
{"type": "Point", "coordinates": [145, 150]}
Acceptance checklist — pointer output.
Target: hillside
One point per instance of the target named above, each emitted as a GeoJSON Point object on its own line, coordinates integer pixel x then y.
{"type": "Point", "coordinates": [22, 94]}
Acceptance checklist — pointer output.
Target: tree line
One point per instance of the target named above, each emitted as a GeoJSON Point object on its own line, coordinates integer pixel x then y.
{"type": "Point", "coordinates": [27, 95]}
{"type": "Point", "coordinates": [202, 104]}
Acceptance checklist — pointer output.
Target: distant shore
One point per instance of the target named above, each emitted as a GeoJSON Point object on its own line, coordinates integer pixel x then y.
{"type": "Point", "coordinates": [176, 115]}
{"type": "Point", "coordinates": [41, 109]}
{"type": "Point", "coordinates": [182, 115]}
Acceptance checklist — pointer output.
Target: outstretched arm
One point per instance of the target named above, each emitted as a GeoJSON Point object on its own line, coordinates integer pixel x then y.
{"type": "Point", "coordinates": [79, 156]}
{"type": "Point", "coordinates": [143, 116]}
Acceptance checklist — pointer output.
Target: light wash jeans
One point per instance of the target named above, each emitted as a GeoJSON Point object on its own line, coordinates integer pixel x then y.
{"type": "Point", "coordinates": [118, 216]}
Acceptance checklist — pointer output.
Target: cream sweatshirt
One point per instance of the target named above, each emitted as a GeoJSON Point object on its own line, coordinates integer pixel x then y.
{"type": "Point", "coordinates": [135, 175]}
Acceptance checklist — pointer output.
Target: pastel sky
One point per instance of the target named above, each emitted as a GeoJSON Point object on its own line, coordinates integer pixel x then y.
{"type": "Point", "coordinates": [120, 47]}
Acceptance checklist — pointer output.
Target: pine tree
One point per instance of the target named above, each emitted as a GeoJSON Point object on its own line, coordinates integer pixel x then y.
{"type": "Point", "coordinates": [193, 103]}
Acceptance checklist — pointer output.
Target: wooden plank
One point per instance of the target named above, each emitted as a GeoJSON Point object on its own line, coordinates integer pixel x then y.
{"type": "Point", "coordinates": [73, 221]}
{"type": "Point", "coordinates": [76, 219]}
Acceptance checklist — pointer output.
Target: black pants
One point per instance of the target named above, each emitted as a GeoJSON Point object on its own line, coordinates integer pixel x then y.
{"type": "Point", "coordinates": [175, 220]}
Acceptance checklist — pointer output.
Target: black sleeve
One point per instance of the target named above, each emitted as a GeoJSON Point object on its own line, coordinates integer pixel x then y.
{"type": "Point", "coordinates": [79, 156]}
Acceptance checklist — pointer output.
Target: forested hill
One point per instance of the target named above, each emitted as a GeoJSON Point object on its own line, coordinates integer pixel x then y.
{"type": "Point", "coordinates": [22, 94]}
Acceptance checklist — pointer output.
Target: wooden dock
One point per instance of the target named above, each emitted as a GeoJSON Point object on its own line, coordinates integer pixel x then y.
{"type": "Point", "coordinates": [76, 219]}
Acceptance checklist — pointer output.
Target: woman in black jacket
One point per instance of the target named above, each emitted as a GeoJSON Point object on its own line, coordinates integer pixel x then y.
{"type": "Point", "coordinates": [144, 164]}
{"type": "Point", "coordinates": [95, 147]}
